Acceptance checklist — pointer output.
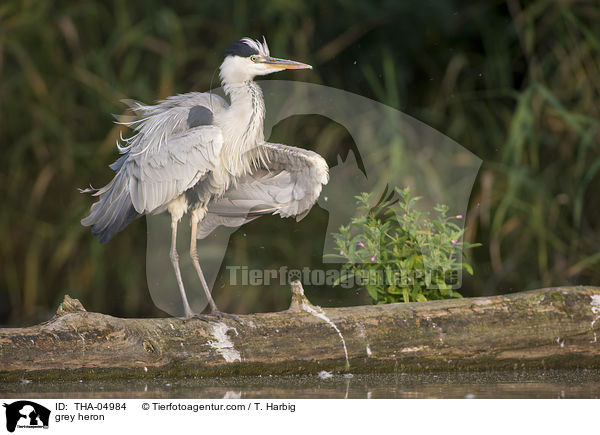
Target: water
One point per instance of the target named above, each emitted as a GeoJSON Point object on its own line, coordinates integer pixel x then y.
{"type": "Point", "coordinates": [529, 384]}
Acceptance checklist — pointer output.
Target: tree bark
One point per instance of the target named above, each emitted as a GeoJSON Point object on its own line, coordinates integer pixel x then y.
{"type": "Point", "coordinates": [548, 328]}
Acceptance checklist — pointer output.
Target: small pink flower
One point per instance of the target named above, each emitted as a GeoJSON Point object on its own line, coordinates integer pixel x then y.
{"type": "Point", "coordinates": [460, 216]}
{"type": "Point", "coordinates": [454, 242]}
{"type": "Point", "coordinates": [360, 245]}
{"type": "Point", "coordinates": [372, 258]}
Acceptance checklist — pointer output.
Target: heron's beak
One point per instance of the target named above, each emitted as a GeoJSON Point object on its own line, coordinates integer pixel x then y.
{"type": "Point", "coordinates": [284, 64]}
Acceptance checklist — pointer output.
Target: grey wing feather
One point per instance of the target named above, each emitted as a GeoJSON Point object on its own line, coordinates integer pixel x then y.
{"type": "Point", "coordinates": [288, 183]}
{"type": "Point", "coordinates": [163, 159]}
{"type": "Point", "coordinates": [174, 115]}
{"type": "Point", "coordinates": [212, 221]}
{"type": "Point", "coordinates": [164, 175]}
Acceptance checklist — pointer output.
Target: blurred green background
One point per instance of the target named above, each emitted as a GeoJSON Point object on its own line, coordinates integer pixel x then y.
{"type": "Point", "coordinates": [515, 82]}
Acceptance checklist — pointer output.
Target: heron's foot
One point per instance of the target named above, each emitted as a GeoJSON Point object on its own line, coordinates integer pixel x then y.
{"type": "Point", "coordinates": [195, 316]}
{"type": "Point", "coordinates": [211, 317]}
{"type": "Point", "coordinates": [221, 315]}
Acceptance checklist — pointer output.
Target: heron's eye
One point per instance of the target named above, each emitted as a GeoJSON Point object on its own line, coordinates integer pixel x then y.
{"type": "Point", "coordinates": [253, 58]}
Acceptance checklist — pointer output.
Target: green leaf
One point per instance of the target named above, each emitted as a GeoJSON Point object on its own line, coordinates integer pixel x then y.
{"type": "Point", "coordinates": [335, 256]}
{"type": "Point", "coordinates": [468, 268]}
{"type": "Point", "coordinates": [405, 294]}
{"type": "Point", "coordinates": [372, 290]}
{"type": "Point", "coordinates": [394, 290]}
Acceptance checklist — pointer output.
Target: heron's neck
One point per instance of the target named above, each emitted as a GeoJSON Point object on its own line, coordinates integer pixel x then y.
{"type": "Point", "coordinates": [243, 123]}
{"type": "Point", "coordinates": [248, 106]}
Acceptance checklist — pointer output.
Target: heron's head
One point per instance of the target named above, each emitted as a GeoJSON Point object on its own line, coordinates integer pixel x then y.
{"type": "Point", "coordinates": [247, 58]}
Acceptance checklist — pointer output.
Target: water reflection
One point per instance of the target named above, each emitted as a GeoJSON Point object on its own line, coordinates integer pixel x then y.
{"type": "Point", "coordinates": [530, 384]}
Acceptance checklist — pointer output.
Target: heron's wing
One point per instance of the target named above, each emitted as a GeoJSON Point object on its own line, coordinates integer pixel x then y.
{"type": "Point", "coordinates": [287, 183]}
{"type": "Point", "coordinates": [155, 124]}
{"type": "Point", "coordinates": [174, 145]}
{"type": "Point", "coordinates": [161, 176]}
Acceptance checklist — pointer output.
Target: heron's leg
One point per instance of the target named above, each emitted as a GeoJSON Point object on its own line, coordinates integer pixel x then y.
{"type": "Point", "coordinates": [194, 255]}
{"type": "Point", "coordinates": [175, 261]}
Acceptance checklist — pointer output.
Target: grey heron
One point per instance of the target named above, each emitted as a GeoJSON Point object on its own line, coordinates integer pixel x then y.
{"type": "Point", "coordinates": [196, 153]}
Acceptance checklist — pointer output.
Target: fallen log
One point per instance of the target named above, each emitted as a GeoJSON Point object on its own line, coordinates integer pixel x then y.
{"type": "Point", "coordinates": [548, 328]}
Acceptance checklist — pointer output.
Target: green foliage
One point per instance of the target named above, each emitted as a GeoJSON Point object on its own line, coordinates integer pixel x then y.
{"type": "Point", "coordinates": [400, 253]}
